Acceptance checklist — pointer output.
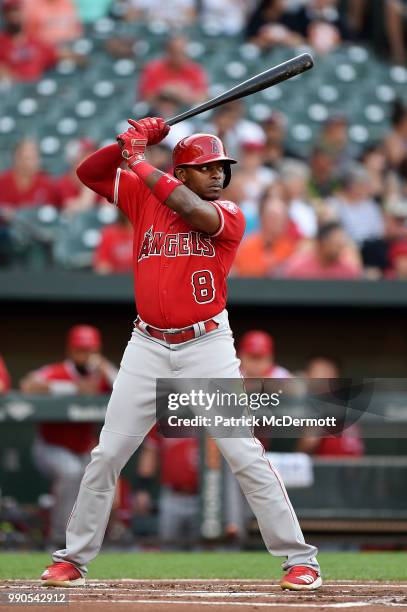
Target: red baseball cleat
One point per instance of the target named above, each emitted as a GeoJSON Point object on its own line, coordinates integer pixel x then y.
{"type": "Point", "coordinates": [301, 578]}
{"type": "Point", "coordinates": [62, 574]}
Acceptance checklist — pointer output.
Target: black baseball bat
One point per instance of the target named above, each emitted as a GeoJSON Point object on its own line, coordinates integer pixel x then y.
{"type": "Point", "coordinates": [261, 81]}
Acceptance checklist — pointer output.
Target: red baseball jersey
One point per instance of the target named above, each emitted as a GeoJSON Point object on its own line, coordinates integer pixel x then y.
{"type": "Point", "coordinates": [348, 444]}
{"type": "Point", "coordinates": [26, 57]}
{"type": "Point", "coordinates": [115, 249]}
{"type": "Point", "coordinates": [42, 190]}
{"type": "Point", "coordinates": [179, 460]}
{"type": "Point", "coordinates": [77, 437]}
{"type": "Point", "coordinates": [180, 273]}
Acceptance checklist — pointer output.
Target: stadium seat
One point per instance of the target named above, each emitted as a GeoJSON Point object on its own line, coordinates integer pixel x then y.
{"type": "Point", "coordinates": [33, 231]}
{"type": "Point", "coordinates": [82, 235]}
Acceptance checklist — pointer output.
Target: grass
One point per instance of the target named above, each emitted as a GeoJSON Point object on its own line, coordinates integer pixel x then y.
{"type": "Point", "coordinates": [154, 565]}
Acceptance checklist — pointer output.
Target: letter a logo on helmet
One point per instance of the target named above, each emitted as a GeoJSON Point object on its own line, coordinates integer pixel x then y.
{"type": "Point", "coordinates": [200, 149]}
{"type": "Point", "coordinates": [215, 147]}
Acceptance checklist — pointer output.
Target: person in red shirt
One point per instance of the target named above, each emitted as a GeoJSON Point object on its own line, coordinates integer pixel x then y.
{"type": "Point", "coordinates": [398, 261]}
{"type": "Point", "coordinates": [4, 377]}
{"type": "Point", "coordinates": [61, 450]}
{"type": "Point", "coordinates": [257, 356]}
{"type": "Point", "coordinates": [265, 252]}
{"type": "Point", "coordinates": [176, 73]}
{"type": "Point", "coordinates": [350, 442]}
{"type": "Point", "coordinates": [54, 21]}
{"type": "Point", "coordinates": [114, 254]}
{"type": "Point", "coordinates": [23, 57]}
{"type": "Point", "coordinates": [328, 258]}
{"type": "Point", "coordinates": [25, 184]}
{"type": "Point", "coordinates": [176, 460]}
{"type": "Point", "coordinates": [185, 240]}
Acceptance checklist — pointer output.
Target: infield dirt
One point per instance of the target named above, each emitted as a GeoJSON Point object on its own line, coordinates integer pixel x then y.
{"type": "Point", "coordinates": [204, 595]}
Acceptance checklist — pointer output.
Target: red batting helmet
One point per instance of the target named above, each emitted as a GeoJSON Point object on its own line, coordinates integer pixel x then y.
{"type": "Point", "coordinates": [84, 337]}
{"type": "Point", "coordinates": [256, 343]}
{"type": "Point", "coordinates": [200, 149]}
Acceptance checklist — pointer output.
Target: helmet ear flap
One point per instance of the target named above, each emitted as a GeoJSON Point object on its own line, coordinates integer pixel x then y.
{"type": "Point", "coordinates": [228, 175]}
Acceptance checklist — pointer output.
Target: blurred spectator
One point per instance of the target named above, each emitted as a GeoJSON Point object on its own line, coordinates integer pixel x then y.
{"type": "Point", "coordinates": [322, 366]}
{"type": "Point", "coordinates": [263, 253]}
{"type": "Point", "coordinates": [23, 56]}
{"type": "Point", "coordinates": [226, 17]}
{"type": "Point", "coordinates": [114, 254]}
{"type": "Point", "coordinates": [274, 128]}
{"type": "Point", "coordinates": [349, 442]}
{"type": "Point", "coordinates": [176, 460]}
{"type": "Point", "coordinates": [356, 13]}
{"type": "Point", "coordinates": [395, 218]}
{"type": "Point", "coordinates": [73, 195]}
{"type": "Point", "coordinates": [167, 104]}
{"type": "Point", "coordinates": [295, 176]}
{"type": "Point", "coordinates": [5, 382]}
{"type": "Point", "coordinates": [317, 23]}
{"type": "Point", "coordinates": [174, 73]}
{"type": "Point", "coordinates": [395, 143]}
{"type": "Point", "coordinates": [160, 156]}
{"type": "Point", "coordinates": [396, 20]}
{"type": "Point", "coordinates": [257, 356]}
{"type": "Point", "coordinates": [90, 11]}
{"type": "Point", "coordinates": [176, 14]}
{"type": "Point", "coordinates": [56, 22]}
{"type": "Point", "coordinates": [359, 214]}
{"type": "Point", "coordinates": [250, 179]}
{"type": "Point", "coordinates": [327, 258]}
{"type": "Point", "coordinates": [398, 261]}
{"type": "Point", "coordinates": [323, 181]}
{"type": "Point", "coordinates": [61, 450]}
{"type": "Point", "coordinates": [25, 184]}
{"type": "Point", "coordinates": [270, 24]}
{"type": "Point", "coordinates": [374, 160]}
{"type": "Point", "coordinates": [334, 139]}
{"type": "Point", "coordinates": [230, 125]}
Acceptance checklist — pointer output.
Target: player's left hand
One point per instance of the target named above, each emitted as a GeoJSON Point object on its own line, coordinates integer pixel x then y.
{"type": "Point", "coordinates": [133, 143]}
{"type": "Point", "coordinates": [154, 128]}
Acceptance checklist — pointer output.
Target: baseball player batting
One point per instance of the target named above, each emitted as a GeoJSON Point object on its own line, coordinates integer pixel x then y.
{"type": "Point", "coordinates": [185, 240]}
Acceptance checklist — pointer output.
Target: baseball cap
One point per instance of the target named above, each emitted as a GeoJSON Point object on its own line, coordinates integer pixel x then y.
{"type": "Point", "coordinates": [84, 337]}
{"type": "Point", "coordinates": [256, 342]}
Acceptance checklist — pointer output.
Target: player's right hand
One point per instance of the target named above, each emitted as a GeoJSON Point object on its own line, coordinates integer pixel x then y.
{"type": "Point", "coordinates": [133, 143]}
{"type": "Point", "coordinates": [154, 128]}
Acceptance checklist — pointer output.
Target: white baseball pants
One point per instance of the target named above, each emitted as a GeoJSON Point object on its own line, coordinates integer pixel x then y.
{"type": "Point", "coordinates": [131, 414]}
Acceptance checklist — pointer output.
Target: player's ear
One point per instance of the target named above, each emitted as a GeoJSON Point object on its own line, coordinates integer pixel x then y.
{"type": "Point", "coordinates": [180, 174]}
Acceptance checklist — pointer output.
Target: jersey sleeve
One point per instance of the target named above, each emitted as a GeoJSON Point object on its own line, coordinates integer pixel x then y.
{"type": "Point", "coordinates": [129, 193]}
{"type": "Point", "coordinates": [232, 221]}
{"type": "Point", "coordinates": [45, 373]}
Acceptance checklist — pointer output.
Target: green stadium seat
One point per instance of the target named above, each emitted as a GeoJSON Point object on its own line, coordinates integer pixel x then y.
{"type": "Point", "coordinates": [328, 94]}
{"type": "Point", "coordinates": [318, 112]}
{"type": "Point", "coordinates": [33, 231]}
{"type": "Point", "coordinates": [81, 236]}
{"type": "Point", "coordinates": [67, 126]}
{"type": "Point", "coordinates": [124, 68]}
